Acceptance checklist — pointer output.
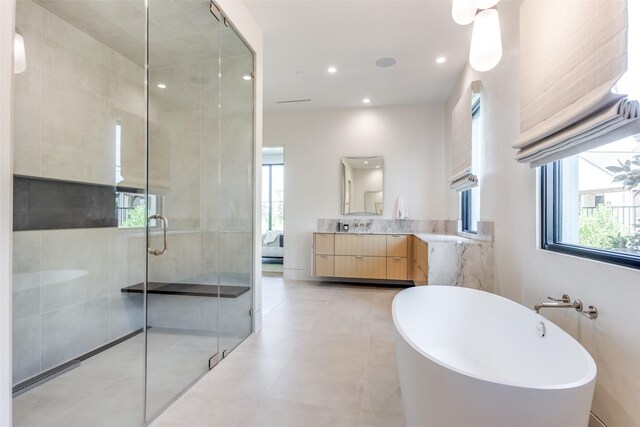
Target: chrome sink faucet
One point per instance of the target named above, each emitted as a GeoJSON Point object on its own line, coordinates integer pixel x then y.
{"type": "Point", "coordinates": [565, 302]}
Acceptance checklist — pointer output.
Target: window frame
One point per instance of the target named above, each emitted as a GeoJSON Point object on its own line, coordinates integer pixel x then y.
{"type": "Point", "coordinates": [551, 225]}
{"type": "Point", "coordinates": [270, 200]}
{"type": "Point", "coordinates": [122, 214]}
{"type": "Point", "coordinates": [465, 212]}
{"type": "Point", "coordinates": [466, 198]}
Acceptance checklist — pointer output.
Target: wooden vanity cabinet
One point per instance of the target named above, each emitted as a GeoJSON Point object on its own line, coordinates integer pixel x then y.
{"type": "Point", "coordinates": [362, 256]}
{"type": "Point", "coordinates": [324, 260]}
{"type": "Point", "coordinates": [420, 257]}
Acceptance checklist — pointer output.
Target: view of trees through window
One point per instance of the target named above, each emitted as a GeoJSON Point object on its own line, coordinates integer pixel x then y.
{"type": "Point", "coordinates": [131, 209]}
{"type": "Point", "coordinates": [600, 198]}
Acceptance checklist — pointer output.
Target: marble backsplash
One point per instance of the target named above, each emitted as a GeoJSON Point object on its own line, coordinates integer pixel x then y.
{"type": "Point", "coordinates": [438, 226]}
{"type": "Point", "coordinates": [384, 225]}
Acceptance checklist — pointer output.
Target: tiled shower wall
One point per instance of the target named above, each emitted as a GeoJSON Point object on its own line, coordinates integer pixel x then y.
{"type": "Point", "coordinates": [67, 298]}
{"type": "Point", "coordinates": [210, 210]}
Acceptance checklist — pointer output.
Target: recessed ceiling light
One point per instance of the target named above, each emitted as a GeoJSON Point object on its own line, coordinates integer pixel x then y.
{"type": "Point", "coordinates": [366, 163]}
{"type": "Point", "coordinates": [246, 77]}
{"type": "Point", "coordinates": [366, 100]}
{"type": "Point", "coordinates": [332, 70]}
{"type": "Point", "coordinates": [386, 62]}
{"type": "Point", "coordinates": [162, 85]}
{"type": "Point", "coordinates": [441, 60]}
{"type": "Point", "coordinates": [378, 167]}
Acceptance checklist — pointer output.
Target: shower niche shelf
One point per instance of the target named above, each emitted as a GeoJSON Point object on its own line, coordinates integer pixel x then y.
{"type": "Point", "coordinates": [188, 289]}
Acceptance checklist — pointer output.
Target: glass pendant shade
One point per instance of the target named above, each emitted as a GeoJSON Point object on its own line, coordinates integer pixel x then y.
{"type": "Point", "coordinates": [463, 11]}
{"type": "Point", "coordinates": [19, 54]}
{"type": "Point", "coordinates": [486, 43]}
{"type": "Point", "coordinates": [485, 4]}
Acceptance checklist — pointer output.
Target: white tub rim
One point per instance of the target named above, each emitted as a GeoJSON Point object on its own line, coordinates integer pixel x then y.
{"type": "Point", "coordinates": [591, 370]}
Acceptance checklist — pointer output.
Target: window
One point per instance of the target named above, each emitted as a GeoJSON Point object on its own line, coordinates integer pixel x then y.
{"type": "Point", "coordinates": [470, 199]}
{"type": "Point", "coordinates": [591, 203]}
{"type": "Point", "coordinates": [130, 208]}
{"type": "Point", "coordinates": [273, 197]}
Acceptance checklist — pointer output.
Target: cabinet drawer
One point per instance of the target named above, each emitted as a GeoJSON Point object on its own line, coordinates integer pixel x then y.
{"type": "Point", "coordinates": [397, 245]}
{"type": "Point", "coordinates": [361, 267]}
{"type": "Point", "coordinates": [323, 243]}
{"type": "Point", "coordinates": [396, 268]}
{"type": "Point", "coordinates": [361, 244]}
{"type": "Point", "coordinates": [324, 265]}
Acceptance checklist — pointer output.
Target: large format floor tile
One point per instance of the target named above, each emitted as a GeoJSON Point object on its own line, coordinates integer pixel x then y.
{"type": "Point", "coordinates": [324, 357]}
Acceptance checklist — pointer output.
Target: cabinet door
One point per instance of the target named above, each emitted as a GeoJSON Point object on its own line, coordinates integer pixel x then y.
{"type": "Point", "coordinates": [324, 243]}
{"type": "Point", "coordinates": [324, 265]}
{"type": "Point", "coordinates": [396, 268]}
{"type": "Point", "coordinates": [421, 277]}
{"type": "Point", "coordinates": [361, 244]}
{"type": "Point", "coordinates": [423, 255]}
{"type": "Point", "coordinates": [361, 267]}
{"type": "Point", "coordinates": [397, 245]}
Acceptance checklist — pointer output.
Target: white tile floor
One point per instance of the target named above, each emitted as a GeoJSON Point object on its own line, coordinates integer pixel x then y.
{"type": "Point", "coordinates": [325, 357]}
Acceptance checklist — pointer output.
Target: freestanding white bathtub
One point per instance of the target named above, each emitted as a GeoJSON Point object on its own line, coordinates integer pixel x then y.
{"type": "Point", "coordinates": [469, 358]}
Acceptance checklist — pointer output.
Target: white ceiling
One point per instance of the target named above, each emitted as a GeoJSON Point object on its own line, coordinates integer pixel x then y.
{"type": "Point", "coordinates": [180, 31]}
{"type": "Point", "coordinates": [311, 35]}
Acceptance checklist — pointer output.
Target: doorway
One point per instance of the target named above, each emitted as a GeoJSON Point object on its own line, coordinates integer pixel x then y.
{"type": "Point", "coordinates": [272, 210]}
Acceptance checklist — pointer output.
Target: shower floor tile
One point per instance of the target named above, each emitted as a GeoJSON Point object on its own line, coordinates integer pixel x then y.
{"type": "Point", "coordinates": [108, 388]}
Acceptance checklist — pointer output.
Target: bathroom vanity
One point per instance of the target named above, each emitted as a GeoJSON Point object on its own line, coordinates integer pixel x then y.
{"type": "Point", "coordinates": [371, 256]}
{"type": "Point", "coordinates": [422, 258]}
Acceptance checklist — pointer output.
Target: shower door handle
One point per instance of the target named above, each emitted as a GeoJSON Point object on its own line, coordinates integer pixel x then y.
{"type": "Point", "coordinates": [165, 226]}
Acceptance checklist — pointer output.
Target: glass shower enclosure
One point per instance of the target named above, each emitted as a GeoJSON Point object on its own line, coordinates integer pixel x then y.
{"type": "Point", "coordinates": [133, 206]}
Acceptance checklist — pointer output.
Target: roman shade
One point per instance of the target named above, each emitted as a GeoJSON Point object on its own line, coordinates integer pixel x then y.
{"type": "Point", "coordinates": [572, 54]}
{"type": "Point", "coordinates": [462, 177]}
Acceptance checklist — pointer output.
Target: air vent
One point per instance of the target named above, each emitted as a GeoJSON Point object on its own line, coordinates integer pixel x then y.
{"type": "Point", "coordinates": [293, 100]}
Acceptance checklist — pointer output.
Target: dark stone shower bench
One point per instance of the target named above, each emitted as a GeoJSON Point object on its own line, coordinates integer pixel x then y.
{"type": "Point", "coordinates": [188, 289]}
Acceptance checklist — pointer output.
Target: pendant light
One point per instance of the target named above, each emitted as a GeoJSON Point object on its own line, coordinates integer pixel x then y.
{"type": "Point", "coordinates": [19, 54]}
{"type": "Point", "coordinates": [485, 4]}
{"type": "Point", "coordinates": [463, 11]}
{"type": "Point", "coordinates": [486, 43]}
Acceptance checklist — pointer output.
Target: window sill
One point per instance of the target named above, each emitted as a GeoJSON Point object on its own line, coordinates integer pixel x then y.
{"type": "Point", "coordinates": [616, 259]}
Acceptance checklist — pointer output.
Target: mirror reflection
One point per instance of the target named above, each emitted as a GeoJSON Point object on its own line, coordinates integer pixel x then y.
{"type": "Point", "coordinates": [362, 185]}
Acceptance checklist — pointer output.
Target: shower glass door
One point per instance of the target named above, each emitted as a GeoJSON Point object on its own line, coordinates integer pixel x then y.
{"type": "Point", "coordinates": [183, 293]}
{"type": "Point", "coordinates": [236, 186]}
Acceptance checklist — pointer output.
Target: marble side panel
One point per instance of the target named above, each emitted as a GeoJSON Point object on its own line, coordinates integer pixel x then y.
{"type": "Point", "coordinates": [461, 264]}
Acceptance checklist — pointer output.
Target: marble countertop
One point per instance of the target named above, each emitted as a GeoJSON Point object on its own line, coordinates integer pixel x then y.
{"type": "Point", "coordinates": [426, 237]}
{"type": "Point", "coordinates": [365, 232]}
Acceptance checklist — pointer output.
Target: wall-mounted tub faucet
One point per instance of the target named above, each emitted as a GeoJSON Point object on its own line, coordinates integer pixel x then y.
{"type": "Point", "coordinates": [565, 302]}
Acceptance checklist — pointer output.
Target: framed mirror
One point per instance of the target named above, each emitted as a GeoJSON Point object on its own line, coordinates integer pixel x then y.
{"type": "Point", "coordinates": [362, 179]}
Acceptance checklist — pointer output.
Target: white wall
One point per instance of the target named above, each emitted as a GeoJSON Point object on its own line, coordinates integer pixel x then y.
{"type": "Point", "coordinates": [410, 139]}
{"type": "Point", "coordinates": [7, 16]}
{"type": "Point", "coordinates": [527, 274]}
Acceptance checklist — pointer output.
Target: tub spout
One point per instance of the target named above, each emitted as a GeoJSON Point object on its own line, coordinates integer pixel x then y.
{"type": "Point", "coordinates": [563, 302]}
